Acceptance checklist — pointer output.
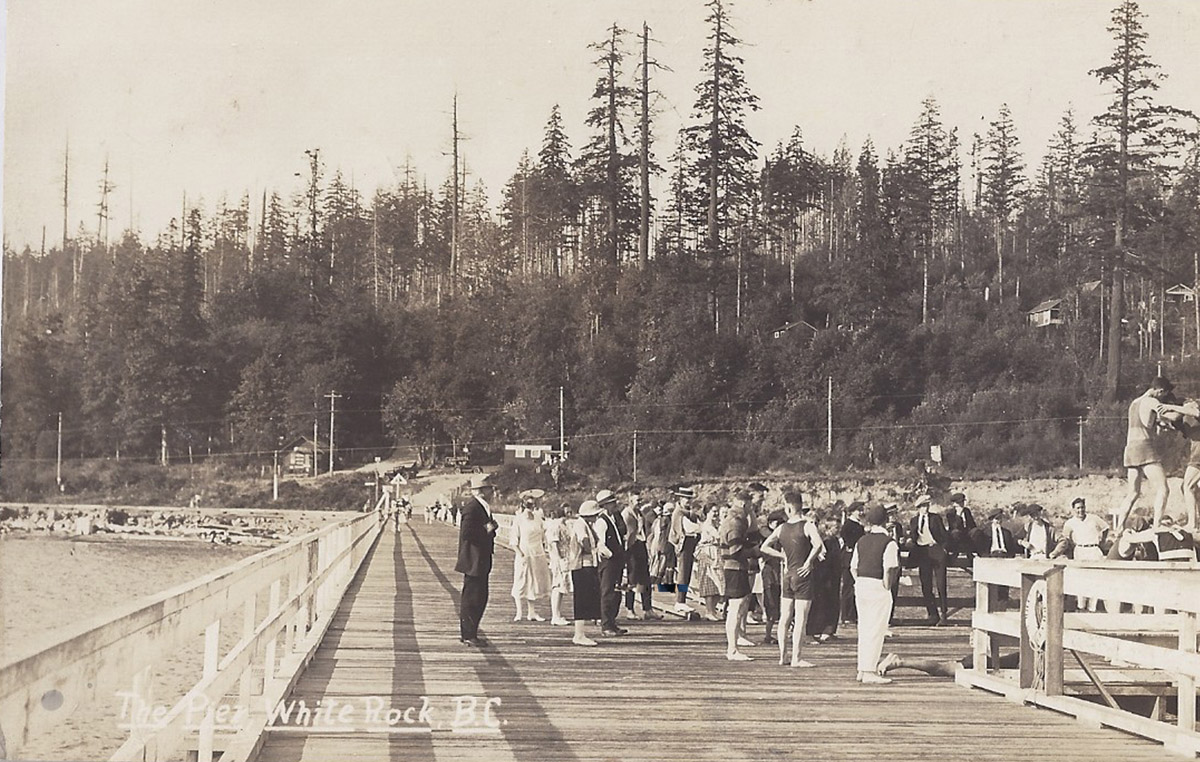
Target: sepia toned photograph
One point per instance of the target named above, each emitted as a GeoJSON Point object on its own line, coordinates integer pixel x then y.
{"type": "Point", "coordinates": [625, 381]}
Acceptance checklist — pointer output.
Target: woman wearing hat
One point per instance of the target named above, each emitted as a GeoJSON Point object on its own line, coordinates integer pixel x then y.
{"type": "Point", "coordinates": [586, 554]}
{"type": "Point", "coordinates": [531, 565]}
{"type": "Point", "coordinates": [710, 580]}
{"type": "Point", "coordinates": [558, 544]}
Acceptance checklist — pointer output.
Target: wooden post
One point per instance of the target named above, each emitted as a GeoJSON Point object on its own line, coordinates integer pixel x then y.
{"type": "Point", "coordinates": [269, 655]}
{"type": "Point", "coordinates": [212, 644]}
{"type": "Point", "coordinates": [1187, 683]}
{"type": "Point", "coordinates": [249, 622]}
{"type": "Point", "coordinates": [983, 639]}
{"type": "Point", "coordinates": [1054, 631]}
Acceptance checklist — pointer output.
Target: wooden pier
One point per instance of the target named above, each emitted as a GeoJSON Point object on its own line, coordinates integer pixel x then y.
{"type": "Point", "coordinates": [662, 692]}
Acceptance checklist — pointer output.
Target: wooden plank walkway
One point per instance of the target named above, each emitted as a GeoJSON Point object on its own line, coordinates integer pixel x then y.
{"type": "Point", "coordinates": [662, 692]}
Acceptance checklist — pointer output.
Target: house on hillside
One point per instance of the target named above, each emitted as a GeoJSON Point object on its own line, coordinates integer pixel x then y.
{"type": "Point", "coordinates": [1180, 294]}
{"type": "Point", "coordinates": [526, 454]}
{"type": "Point", "coordinates": [808, 330]}
{"type": "Point", "coordinates": [298, 455]}
{"type": "Point", "coordinates": [1047, 313]}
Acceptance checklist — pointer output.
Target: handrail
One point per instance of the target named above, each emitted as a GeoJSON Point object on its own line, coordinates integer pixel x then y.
{"type": "Point", "coordinates": [1155, 648]}
{"type": "Point", "coordinates": [303, 582]}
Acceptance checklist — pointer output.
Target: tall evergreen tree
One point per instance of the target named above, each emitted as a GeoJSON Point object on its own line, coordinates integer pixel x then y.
{"type": "Point", "coordinates": [1130, 132]}
{"type": "Point", "coordinates": [606, 162]}
{"type": "Point", "coordinates": [1003, 181]}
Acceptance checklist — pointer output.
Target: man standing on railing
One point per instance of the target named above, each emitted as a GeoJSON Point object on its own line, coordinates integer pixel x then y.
{"type": "Point", "coordinates": [1142, 457]}
{"type": "Point", "coordinates": [476, 544]}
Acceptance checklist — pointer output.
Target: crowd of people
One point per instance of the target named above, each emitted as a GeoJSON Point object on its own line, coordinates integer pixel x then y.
{"type": "Point", "coordinates": [797, 572]}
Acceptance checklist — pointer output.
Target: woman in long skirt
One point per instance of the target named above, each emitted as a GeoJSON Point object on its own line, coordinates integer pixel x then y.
{"type": "Point", "coordinates": [531, 565]}
{"type": "Point", "coordinates": [586, 552]}
{"type": "Point", "coordinates": [708, 574]}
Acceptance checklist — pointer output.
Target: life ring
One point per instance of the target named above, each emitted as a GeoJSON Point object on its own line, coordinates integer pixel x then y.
{"type": "Point", "coordinates": [1035, 614]}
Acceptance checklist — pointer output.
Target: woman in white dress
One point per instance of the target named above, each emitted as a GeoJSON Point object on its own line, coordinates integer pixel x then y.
{"type": "Point", "coordinates": [558, 542]}
{"type": "Point", "coordinates": [531, 565]}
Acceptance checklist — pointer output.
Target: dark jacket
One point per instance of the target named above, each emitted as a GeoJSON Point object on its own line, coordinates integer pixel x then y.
{"type": "Point", "coordinates": [851, 532]}
{"type": "Point", "coordinates": [981, 540]}
{"type": "Point", "coordinates": [956, 524]}
{"type": "Point", "coordinates": [476, 539]}
{"type": "Point", "coordinates": [936, 528]}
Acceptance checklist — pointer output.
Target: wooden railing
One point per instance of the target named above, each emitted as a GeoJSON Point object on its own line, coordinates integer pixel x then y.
{"type": "Point", "coordinates": [286, 596]}
{"type": "Point", "coordinates": [1151, 654]}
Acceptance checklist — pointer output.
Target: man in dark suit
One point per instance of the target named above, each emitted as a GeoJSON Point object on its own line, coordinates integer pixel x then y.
{"type": "Point", "coordinates": [476, 544]}
{"type": "Point", "coordinates": [995, 540]}
{"type": "Point", "coordinates": [851, 530]}
{"type": "Point", "coordinates": [927, 540]}
{"type": "Point", "coordinates": [895, 530]}
{"type": "Point", "coordinates": [960, 526]}
{"type": "Point", "coordinates": [610, 531]}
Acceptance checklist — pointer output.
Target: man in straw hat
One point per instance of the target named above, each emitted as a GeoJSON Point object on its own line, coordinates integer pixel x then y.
{"type": "Point", "coordinates": [610, 530]}
{"type": "Point", "coordinates": [476, 545]}
{"type": "Point", "coordinates": [876, 561]}
{"type": "Point", "coordinates": [927, 547]}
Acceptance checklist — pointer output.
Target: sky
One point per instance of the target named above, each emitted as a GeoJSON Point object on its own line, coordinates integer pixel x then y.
{"type": "Point", "coordinates": [216, 98]}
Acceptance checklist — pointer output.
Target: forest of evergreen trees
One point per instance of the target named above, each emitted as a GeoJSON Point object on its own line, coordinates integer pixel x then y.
{"type": "Point", "coordinates": [905, 274]}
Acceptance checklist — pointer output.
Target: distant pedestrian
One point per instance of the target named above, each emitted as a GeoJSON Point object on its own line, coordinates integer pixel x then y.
{"type": "Point", "coordinates": [639, 522]}
{"type": "Point", "coordinates": [850, 531]}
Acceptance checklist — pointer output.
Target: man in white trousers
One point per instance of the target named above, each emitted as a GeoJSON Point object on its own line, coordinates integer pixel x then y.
{"type": "Point", "coordinates": [875, 564]}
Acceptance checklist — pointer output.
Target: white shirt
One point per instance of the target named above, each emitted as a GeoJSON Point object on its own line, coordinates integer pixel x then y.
{"type": "Point", "coordinates": [1086, 531]}
{"type": "Point", "coordinates": [891, 555]}
{"type": "Point", "coordinates": [998, 545]}
{"type": "Point", "coordinates": [1038, 539]}
{"type": "Point", "coordinates": [924, 536]}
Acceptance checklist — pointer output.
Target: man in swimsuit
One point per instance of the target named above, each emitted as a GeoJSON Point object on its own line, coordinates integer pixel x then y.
{"type": "Point", "coordinates": [797, 543]}
{"type": "Point", "coordinates": [1142, 457]}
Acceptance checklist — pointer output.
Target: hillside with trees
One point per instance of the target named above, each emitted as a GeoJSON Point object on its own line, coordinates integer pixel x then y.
{"type": "Point", "coordinates": [892, 286]}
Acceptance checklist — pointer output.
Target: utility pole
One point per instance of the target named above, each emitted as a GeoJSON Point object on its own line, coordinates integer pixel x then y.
{"type": "Point", "coordinates": [829, 418]}
{"type": "Point", "coordinates": [635, 433]}
{"type": "Point", "coordinates": [58, 460]}
{"type": "Point", "coordinates": [314, 465]}
{"type": "Point", "coordinates": [1081, 443]}
{"type": "Point", "coordinates": [454, 205]}
{"type": "Point", "coordinates": [164, 445]}
{"type": "Point", "coordinates": [333, 397]}
{"type": "Point", "coordinates": [562, 436]}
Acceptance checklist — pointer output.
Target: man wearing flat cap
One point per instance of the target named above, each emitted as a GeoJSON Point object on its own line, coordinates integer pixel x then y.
{"type": "Point", "coordinates": [927, 547]}
{"type": "Point", "coordinates": [476, 544]}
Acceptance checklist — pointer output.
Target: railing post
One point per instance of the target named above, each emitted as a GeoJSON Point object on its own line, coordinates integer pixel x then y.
{"type": "Point", "coordinates": [1054, 631]}
{"type": "Point", "coordinates": [269, 654]}
{"type": "Point", "coordinates": [249, 622]}
{"type": "Point", "coordinates": [212, 649]}
{"type": "Point", "coordinates": [1187, 683]}
{"type": "Point", "coordinates": [983, 639]}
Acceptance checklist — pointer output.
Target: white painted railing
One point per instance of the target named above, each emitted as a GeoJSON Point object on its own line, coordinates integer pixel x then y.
{"type": "Point", "coordinates": [1151, 653]}
{"type": "Point", "coordinates": [287, 597]}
